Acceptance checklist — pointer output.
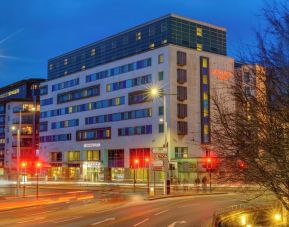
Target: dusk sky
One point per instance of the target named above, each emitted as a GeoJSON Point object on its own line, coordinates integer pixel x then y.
{"type": "Point", "coordinates": [32, 31]}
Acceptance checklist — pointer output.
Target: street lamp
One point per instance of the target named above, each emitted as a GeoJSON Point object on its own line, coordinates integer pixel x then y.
{"type": "Point", "coordinates": [156, 92]}
{"type": "Point", "coordinates": [38, 167]}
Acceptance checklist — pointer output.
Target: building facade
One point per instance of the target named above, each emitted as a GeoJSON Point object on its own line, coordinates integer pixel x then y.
{"type": "Point", "coordinates": [97, 116]}
{"type": "Point", "coordinates": [16, 104]}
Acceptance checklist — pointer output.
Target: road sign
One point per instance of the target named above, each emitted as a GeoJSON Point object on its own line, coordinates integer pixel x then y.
{"type": "Point", "coordinates": [158, 163]}
{"type": "Point", "coordinates": [159, 150]}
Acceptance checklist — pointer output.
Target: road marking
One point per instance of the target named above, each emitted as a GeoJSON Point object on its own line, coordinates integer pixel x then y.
{"type": "Point", "coordinates": [68, 219]}
{"type": "Point", "coordinates": [145, 220]}
{"type": "Point", "coordinates": [161, 212]}
{"type": "Point", "coordinates": [190, 205]}
{"type": "Point", "coordinates": [105, 220]}
{"type": "Point", "coordinates": [35, 219]}
{"type": "Point", "coordinates": [177, 222]}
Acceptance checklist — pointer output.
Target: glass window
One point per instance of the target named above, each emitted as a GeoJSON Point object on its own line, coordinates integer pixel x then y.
{"type": "Point", "coordinates": [199, 47]}
{"type": "Point", "coordinates": [161, 76]}
{"type": "Point", "coordinates": [161, 59]}
{"type": "Point", "coordinates": [199, 31]}
{"type": "Point", "coordinates": [161, 128]}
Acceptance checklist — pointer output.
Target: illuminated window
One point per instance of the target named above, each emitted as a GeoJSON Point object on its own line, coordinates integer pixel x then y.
{"type": "Point", "coordinates": [138, 36]}
{"type": "Point", "coordinates": [50, 66]}
{"type": "Point", "coordinates": [83, 67]}
{"type": "Point", "coordinates": [93, 155]}
{"type": "Point", "coordinates": [164, 41]}
{"type": "Point", "coordinates": [199, 31]}
{"type": "Point", "coordinates": [117, 101]}
{"type": "Point", "coordinates": [205, 63]}
{"type": "Point", "coordinates": [199, 47]}
{"type": "Point", "coordinates": [73, 155]}
{"type": "Point", "coordinates": [206, 112]}
{"type": "Point", "coordinates": [90, 106]}
{"type": "Point", "coordinates": [107, 133]}
{"type": "Point", "coordinates": [108, 87]}
{"type": "Point", "coordinates": [152, 45]}
{"type": "Point", "coordinates": [160, 58]}
{"type": "Point", "coordinates": [206, 129]}
{"type": "Point", "coordinates": [65, 73]}
{"type": "Point", "coordinates": [70, 109]}
{"type": "Point", "coordinates": [205, 79]}
{"type": "Point", "coordinates": [205, 96]}
{"type": "Point", "coordinates": [65, 61]}
{"type": "Point", "coordinates": [92, 52]}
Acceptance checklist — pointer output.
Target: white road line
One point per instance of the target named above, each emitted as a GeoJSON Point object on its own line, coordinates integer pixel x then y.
{"type": "Point", "coordinates": [105, 220]}
{"type": "Point", "coordinates": [177, 222]}
{"type": "Point", "coordinates": [30, 220]}
{"type": "Point", "coordinates": [145, 220]}
{"type": "Point", "coordinates": [161, 212]}
{"type": "Point", "coordinates": [64, 220]}
{"type": "Point", "coordinates": [190, 205]}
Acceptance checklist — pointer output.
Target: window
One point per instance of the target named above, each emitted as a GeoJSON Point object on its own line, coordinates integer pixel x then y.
{"type": "Point", "coordinates": [182, 127]}
{"type": "Point", "coordinates": [152, 45]}
{"type": "Point", "coordinates": [55, 156]}
{"type": "Point", "coordinates": [199, 47]}
{"type": "Point", "coordinates": [92, 52]}
{"type": "Point", "coordinates": [152, 31]}
{"type": "Point", "coordinates": [140, 154]}
{"type": "Point", "coordinates": [116, 158]}
{"type": "Point", "coordinates": [44, 90]}
{"type": "Point", "coordinates": [161, 128]}
{"type": "Point", "coordinates": [129, 83]}
{"type": "Point", "coordinates": [93, 134]}
{"type": "Point", "coordinates": [83, 67]}
{"type": "Point", "coordinates": [247, 77]}
{"type": "Point", "coordinates": [138, 130]}
{"type": "Point", "coordinates": [161, 110]}
{"type": "Point", "coordinates": [161, 59]}
{"type": "Point", "coordinates": [50, 66]}
{"type": "Point", "coordinates": [182, 110]}
{"type": "Point", "coordinates": [66, 84]}
{"type": "Point", "coordinates": [199, 31]}
{"type": "Point", "coordinates": [78, 94]}
{"type": "Point", "coordinates": [164, 27]}
{"type": "Point", "coordinates": [161, 76]}
{"type": "Point", "coordinates": [82, 107]}
{"type": "Point", "coordinates": [121, 116]}
{"type": "Point", "coordinates": [65, 61]}
{"type": "Point", "coordinates": [137, 97]}
{"type": "Point", "coordinates": [93, 155]}
{"type": "Point", "coordinates": [181, 93]}
{"type": "Point", "coordinates": [181, 58]}
{"type": "Point", "coordinates": [164, 41]}
{"type": "Point", "coordinates": [138, 36]}
{"type": "Point", "coordinates": [73, 156]}
{"type": "Point", "coordinates": [181, 152]}
{"type": "Point", "coordinates": [65, 124]}
{"type": "Point", "coordinates": [45, 102]}
{"type": "Point", "coordinates": [119, 70]}
{"type": "Point", "coordinates": [247, 91]}
{"type": "Point", "coordinates": [181, 76]}
{"type": "Point", "coordinates": [43, 126]}
{"type": "Point", "coordinates": [55, 138]}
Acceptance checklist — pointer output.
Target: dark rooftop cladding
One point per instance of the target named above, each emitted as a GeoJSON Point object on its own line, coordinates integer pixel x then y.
{"type": "Point", "coordinates": [169, 29]}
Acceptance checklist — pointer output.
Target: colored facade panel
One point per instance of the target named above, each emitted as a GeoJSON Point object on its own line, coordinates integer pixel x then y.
{"type": "Point", "coordinates": [205, 100]}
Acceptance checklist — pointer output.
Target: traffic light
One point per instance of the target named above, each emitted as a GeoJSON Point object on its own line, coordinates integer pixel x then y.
{"type": "Point", "coordinates": [23, 164]}
{"type": "Point", "coordinates": [38, 165]}
{"type": "Point", "coordinates": [208, 163]}
{"type": "Point", "coordinates": [147, 160]}
{"type": "Point", "coordinates": [136, 161]}
{"type": "Point", "coordinates": [241, 164]}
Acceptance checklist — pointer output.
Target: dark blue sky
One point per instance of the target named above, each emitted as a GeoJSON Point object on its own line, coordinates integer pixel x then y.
{"type": "Point", "coordinates": [32, 31]}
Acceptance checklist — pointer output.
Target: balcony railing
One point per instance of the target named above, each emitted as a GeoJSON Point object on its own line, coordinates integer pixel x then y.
{"type": "Point", "coordinates": [22, 144]}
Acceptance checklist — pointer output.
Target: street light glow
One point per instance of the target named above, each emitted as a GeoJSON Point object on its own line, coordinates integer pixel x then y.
{"type": "Point", "coordinates": [277, 217]}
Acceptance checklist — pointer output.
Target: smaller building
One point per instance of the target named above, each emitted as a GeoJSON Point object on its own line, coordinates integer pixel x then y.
{"type": "Point", "coordinates": [19, 110]}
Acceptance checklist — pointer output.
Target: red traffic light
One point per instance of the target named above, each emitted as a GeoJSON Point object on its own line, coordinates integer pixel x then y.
{"type": "Point", "coordinates": [147, 159]}
{"type": "Point", "coordinates": [24, 164]}
{"type": "Point", "coordinates": [38, 164]}
{"type": "Point", "coordinates": [136, 161]}
{"type": "Point", "coordinates": [209, 160]}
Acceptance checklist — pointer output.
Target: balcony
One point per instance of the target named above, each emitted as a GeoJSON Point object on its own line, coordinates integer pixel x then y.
{"type": "Point", "coordinates": [23, 121]}
{"type": "Point", "coordinates": [24, 144]}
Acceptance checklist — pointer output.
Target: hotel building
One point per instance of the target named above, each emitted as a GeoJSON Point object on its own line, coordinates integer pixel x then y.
{"type": "Point", "coordinates": [97, 116]}
{"type": "Point", "coordinates": [17, 101]}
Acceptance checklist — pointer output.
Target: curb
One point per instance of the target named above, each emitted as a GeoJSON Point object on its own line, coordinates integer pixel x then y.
{"type": "Point", "coordinates": [184, 195]}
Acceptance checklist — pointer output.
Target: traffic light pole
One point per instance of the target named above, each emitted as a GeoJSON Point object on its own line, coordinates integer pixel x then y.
{"type": "Point", "coordinates": [210, 180]}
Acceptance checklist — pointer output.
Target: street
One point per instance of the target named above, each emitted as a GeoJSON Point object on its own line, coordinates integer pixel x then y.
{"type": "Point", "coordinates": [180, 211]}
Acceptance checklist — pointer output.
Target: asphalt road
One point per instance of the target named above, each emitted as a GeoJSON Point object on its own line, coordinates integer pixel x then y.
{"type": "Point", "coordinates": [182, 211]}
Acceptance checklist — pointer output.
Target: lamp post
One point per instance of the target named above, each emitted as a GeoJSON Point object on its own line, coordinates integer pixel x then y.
{"type": "Point", "coordinates": [147, 161]}
{"type": "Point", "coordinates": [24, 165]}
{"type": "Point", "coordinates": [156, 92]}
{"type": "Point", "coordinates": [38, 166]}
{"type": "Point", "coordinates": [136, 161]}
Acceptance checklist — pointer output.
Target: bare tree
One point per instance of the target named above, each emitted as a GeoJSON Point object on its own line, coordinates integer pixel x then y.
{"type": "Point", "coordinates": [252, 140]}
